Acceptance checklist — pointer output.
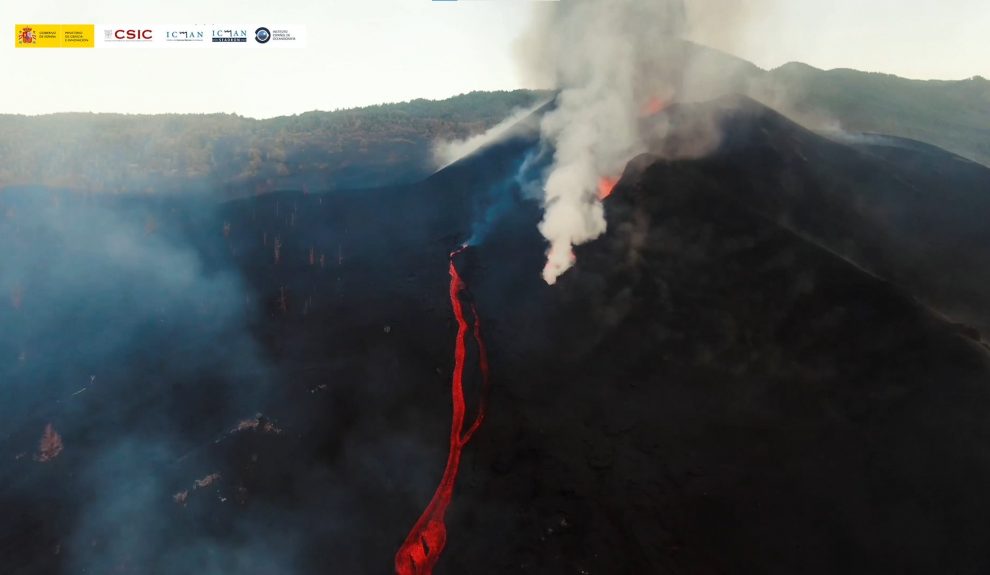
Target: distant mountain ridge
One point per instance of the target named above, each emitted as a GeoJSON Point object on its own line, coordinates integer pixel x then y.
{"type": "Point", "coordinates": [392, 143]}
{"type": "Point", "coordinates": [951, 114]}
{"type": "Point", "coordinates": [954, 115]}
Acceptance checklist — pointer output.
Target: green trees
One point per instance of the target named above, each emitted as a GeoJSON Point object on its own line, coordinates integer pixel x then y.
{"type": "Point", "coordinates": [177, 153]}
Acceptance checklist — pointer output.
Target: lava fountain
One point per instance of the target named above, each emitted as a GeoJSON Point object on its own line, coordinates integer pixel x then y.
{"type": "Point", "coordinates": [422, 548]}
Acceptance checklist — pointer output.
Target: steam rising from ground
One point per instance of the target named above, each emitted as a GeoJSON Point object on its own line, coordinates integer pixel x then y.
{"type": "Point", "coordinates": [607, 58]}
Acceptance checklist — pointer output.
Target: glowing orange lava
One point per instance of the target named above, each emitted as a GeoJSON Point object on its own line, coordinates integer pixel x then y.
{"type": "Point", "coordinates": [606, 186]}
{"type": "Point", "coordinates": [652, 107]}
{"type": "Point", "coordinates": [421, 550]}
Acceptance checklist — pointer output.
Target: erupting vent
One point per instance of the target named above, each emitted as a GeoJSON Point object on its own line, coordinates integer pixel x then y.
{"type": "Point", "coordinates": [605, 187]}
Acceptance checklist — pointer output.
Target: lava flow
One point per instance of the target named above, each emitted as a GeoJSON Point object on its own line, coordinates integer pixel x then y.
{"type": "Point", "coordinates": [421, 550]}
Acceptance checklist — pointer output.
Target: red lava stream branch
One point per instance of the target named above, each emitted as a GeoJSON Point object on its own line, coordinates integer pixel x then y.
{"type": "Point", "coordinates": [422, 548]}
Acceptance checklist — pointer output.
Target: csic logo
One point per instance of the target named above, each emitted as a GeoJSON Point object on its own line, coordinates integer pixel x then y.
{"type": "Point", "coordinates": [262, 35]}
{"type": "Point", "coordinates": [127, 35]}
{"type": "Point", "coordinates": [26, 35]}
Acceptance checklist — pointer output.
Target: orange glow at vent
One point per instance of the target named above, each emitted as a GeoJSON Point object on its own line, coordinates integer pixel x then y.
{"type": "Point", "coordinates": [652, 107]}
{"type": "Point", "coordinates": [606, 186]}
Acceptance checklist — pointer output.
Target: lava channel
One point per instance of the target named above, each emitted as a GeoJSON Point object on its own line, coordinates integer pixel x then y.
{"type": "Point", "coordinates": [422, 548]}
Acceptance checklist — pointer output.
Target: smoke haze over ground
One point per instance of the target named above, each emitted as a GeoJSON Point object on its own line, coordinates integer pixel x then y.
{"type": "Point", "coordinates": [122, 335]}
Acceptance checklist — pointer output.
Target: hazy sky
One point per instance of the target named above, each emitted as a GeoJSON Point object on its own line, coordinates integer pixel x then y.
{"type": "Point", "coordinates": [924, 39]}
{"type": "Point", "coordinates": [369, 51]}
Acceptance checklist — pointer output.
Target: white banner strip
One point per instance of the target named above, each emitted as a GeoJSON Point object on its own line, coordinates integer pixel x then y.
{"type": "Point", "coordinates": [199, 36]}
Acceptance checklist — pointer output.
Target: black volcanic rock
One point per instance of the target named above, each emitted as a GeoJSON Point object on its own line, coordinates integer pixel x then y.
{"type": "Point", "coordinates": [718, 391]}
{"type": "Point", "coordinates": [744, 375]}
{"type": "Point", "coordinates": [905, 211]}
{"type": "Point", "coordinates": [720, 395]}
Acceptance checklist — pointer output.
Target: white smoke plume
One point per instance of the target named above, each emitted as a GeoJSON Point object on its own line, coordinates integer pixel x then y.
{"type": "Point", "coordinates": [446, 152]}
{"type": "Point", "coordinates": [608, 59]}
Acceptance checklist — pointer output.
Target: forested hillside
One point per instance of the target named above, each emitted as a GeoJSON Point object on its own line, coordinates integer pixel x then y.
{"type": "Point", "coordinates": [361, 147]}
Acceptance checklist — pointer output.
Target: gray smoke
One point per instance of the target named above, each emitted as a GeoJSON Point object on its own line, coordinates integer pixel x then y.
{"type": "Point", "coordinates": [609, 59]}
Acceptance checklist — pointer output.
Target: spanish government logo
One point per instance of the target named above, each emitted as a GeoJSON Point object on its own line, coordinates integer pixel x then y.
{"type": "Point", "coordinates": [54, 36]}
{"type": "Point", "coordinates": [26, 35]}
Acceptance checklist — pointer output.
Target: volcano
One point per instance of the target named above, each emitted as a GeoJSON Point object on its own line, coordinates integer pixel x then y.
{"type": "Point", "coordinates": [772, 362]}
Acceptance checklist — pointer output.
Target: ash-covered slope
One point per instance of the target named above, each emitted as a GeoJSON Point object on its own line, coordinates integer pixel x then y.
{"type": "Point", "coordinates": [709, 390]}
{"type": "Point", "coordinates": [908, 212]}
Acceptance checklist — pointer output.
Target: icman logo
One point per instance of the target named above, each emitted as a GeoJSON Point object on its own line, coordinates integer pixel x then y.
{"type": "Point", "coordinates": [26, 36]}
{"type": "Point", "coordinates": [229, 35]}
